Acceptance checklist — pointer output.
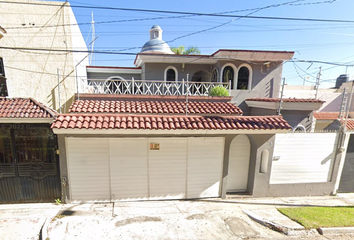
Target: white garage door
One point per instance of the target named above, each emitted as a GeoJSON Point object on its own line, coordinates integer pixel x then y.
{"type": "Point", "coordinates": [88, 167]}
{"type": "Point", "coordinates": [103, 169]}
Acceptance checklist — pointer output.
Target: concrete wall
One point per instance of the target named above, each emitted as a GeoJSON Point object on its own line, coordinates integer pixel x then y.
{"type": "Point", "coordinates": [34, 73]}
{"type": "Point", "coordinates": [258, 181]}
{"type": "Point", "coordinates": [293, 117]}
{"type": "Point", "coordinates": [263, 188]}
{"type": "Point", "coordinates": [155, 71]}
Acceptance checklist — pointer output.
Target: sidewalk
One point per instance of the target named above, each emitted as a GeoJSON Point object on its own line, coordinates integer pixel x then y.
{"type": "Point", "coordinates": [24, 221]}
{"type": "Point", "coordinates": [264, 211]}
{"type": "Point", "coordinates": [237, 217]}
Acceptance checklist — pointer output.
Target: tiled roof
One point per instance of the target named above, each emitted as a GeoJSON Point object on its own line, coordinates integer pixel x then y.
{"type": "Point", "coordinates": [298, 100]}
{"type": "Point", "coordinates": [326, 115]}
{"type": "Point", "coordinates": [154, 107]}
{"type": "Point", "coordinates": [24, 108]}
{"type": "Point", "coordinates": [156, 122]}
{"type": "Point", "coordinates": [350, 124]}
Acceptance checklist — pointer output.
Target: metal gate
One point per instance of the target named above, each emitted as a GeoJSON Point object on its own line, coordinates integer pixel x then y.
{"type": "Point", "coordinates": [29, 165]}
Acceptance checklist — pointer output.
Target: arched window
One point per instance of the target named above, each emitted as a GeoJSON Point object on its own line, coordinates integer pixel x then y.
{"type": "Point", "coordinates": [115, 85]}
{"type": "Point", "coordinates": [228, 75]}
{"type": "Point", "coordinates": [242, 78]}
{"type": "Point", "coordinates": [228, 72]}
{"type": "Point", "coordinates": [171, 74]}
{"type": "Point", "coordinates": [215, 75]}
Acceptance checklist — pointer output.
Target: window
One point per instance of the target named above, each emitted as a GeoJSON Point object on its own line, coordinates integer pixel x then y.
{"type": "Point", "coordinates": [243, 78]}
{"type": "Point", "coordinates": [2, 69]}
{"type": "Point", "coordinates": [156, 34]}
{"type": "Point", "coordinates": [116, 85]}
{"type": "Point", "coordinates": [215, 75]}
{"type": "Point", "coordinates": [228, 75]}
{"type": "Point", "coordinates": [171, 74]}
{"type": "Point", "coordinates": [5, 146]}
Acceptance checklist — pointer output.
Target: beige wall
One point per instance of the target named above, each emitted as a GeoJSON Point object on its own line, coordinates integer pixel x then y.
{"type": "Point", "coordinates": [34, 73]}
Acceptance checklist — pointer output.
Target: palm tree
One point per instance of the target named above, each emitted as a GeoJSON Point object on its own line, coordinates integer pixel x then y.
{"type": "Point", "coordinates": [189, 51]}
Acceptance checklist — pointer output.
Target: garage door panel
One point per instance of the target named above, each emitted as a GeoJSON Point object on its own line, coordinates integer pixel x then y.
{"type": "Point", "coordinates": [129, 177]}
{"type": "Point", "coordinates": [88, 169]}
{"type": "Point", "coordinates": [205, 157]}
{"type": "Point", "coordinates": [167, 168]}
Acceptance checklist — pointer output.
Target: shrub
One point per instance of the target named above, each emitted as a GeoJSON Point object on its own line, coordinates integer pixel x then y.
{"type": "Point", "coordinates": [219, 91]}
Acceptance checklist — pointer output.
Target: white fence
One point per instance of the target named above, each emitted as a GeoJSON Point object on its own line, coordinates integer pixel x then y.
{"type": "Point", "coordinates": [303, 157]}
{"type": "Point", "coordinates": [147, 87]}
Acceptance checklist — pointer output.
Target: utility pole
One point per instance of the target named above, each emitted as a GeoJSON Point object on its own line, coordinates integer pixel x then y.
{"type": "Point", "coordinates": [281, 97]}
{"type": "Point", "coordinates": [318, 82]}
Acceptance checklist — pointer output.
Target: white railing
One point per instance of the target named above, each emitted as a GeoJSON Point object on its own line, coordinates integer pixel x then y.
{"type": "Point", "coordinates": [149, 87]}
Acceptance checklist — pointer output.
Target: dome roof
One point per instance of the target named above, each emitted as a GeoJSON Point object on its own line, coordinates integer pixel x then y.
{"type": "Point", "coordinates": [156, 44]}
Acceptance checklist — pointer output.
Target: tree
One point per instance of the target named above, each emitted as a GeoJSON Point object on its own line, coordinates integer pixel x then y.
{"type": "Point", "coordinates": [182, 50]}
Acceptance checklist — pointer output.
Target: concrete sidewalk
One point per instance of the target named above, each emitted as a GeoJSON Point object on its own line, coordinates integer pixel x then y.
{"type": "Point", "coordinates": [237, 217]}
{"type": "Point", "coordinates": [25, 221]}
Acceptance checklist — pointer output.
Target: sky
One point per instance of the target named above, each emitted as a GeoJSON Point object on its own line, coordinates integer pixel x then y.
{"type": "Point", "coordinates": [329, 44]}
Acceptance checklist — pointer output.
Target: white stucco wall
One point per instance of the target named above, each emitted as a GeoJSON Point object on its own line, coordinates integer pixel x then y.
{"type": "Point", "coordinates": [32, 73]}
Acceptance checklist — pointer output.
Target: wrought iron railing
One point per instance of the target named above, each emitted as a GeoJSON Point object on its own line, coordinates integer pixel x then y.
{"type": "Point", "coordinates": [149, 87]}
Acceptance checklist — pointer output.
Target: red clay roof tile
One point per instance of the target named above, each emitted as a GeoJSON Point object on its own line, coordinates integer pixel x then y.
{"type": "Point", "coordinates": [115, 121]}
{"type": "Point", "coordinates": [154, 107]}
{"type": "Point", "coordinates": [24, 108]}
{"type": "Point", "coordinates": [326, 115]}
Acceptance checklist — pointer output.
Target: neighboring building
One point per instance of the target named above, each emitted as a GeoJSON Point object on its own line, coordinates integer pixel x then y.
{"type": "Point", "coordinates": [29, 164]}
{"type": "Point", "coordinates": [246, 73]}
{"type": "Point", "coordinates": [43, 25]}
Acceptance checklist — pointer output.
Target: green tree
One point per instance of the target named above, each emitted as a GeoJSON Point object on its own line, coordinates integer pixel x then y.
{"type": "Point", "coordinates": [182, 50]}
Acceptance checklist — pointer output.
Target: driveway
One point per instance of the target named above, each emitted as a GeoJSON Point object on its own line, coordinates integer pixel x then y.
{"type": "Point", "coordinates": [157, 220]}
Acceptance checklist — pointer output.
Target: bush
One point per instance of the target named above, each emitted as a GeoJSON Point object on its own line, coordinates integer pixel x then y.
{"type": "Point", "coordinates": [219, 91]}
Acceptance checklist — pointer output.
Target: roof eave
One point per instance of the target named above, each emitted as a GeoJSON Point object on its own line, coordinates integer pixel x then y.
{"type": "Point", "coordinates": [26, 120]}
{"type": "Point", "coordinates": [300, 106]}
{"type": "Point", "coordinates": [75, 131]}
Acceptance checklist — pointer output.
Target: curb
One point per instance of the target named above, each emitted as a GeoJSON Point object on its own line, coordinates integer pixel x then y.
{"type": "Point", "coordinates": [274, 226]}
{"type": "Point", "coordinates": [335, 231]}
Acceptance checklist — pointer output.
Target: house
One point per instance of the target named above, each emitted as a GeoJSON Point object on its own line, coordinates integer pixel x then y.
{"type": "Point", "coordinates": [158, 71]}
{"type": "Point", "coordinates": [151, 131]}
{"type": "Point", "coordinates": [162, 147]}
{"type": "Point", "coordinates": [33, 30]}
{"type": "Point", "coordinates": [29, 164]}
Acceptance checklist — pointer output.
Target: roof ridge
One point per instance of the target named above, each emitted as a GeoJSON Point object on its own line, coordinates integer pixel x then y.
{"type": "Point", "coordinates": [51, 112]}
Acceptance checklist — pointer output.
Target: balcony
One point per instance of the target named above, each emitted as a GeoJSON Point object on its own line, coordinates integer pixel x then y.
{"type": "Point", "coordinates": [149, 87]}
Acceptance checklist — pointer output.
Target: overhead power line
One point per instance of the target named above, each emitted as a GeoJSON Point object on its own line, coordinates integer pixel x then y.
{"type": "Point", "coordinates": [188, 13]}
